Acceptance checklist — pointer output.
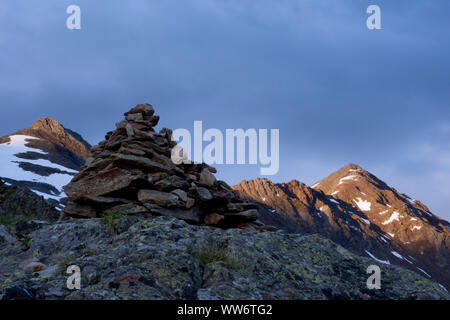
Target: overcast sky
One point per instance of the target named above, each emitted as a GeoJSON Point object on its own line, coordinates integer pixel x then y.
{"type": "Point", "coordinates": [338, 92]}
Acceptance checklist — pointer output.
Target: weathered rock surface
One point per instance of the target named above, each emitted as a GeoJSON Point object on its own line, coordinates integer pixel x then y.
{"type": "Point", "coordinates": [48, 129]}
{"type": "Point", "coordinates": [132, 257]}
{"type": "Point", "coordinates": [21, 203]}
{"type": "Point", "coordinates": [133, 166]}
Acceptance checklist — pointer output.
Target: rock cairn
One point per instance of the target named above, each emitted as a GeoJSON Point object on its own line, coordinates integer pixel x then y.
{"type": "Point", "coordinates": [131, 173]}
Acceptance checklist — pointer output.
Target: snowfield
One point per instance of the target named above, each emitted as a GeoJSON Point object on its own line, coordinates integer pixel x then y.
{"type": "Point", "coordinates": [9, 166]}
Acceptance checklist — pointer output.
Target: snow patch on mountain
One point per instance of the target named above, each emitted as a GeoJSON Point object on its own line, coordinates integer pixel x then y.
{"type": "Point", "coordinates": [315, 185]}
{"type": "Point", "coordinates": [398, 255]}
{"type": "Point", "coordinates": [440, 285]}
{"type": "Point", "coordinates": [424, 272]}
{"type": "Point", "coordinates": [363, 205]}
{"type": "Point", "coordinates": [351, 177]}
{"type": "Point", "coordinates": [394, 216]}
{"type": "Point", "coordinates": [375, 258]}
{"type": "Point", "coordinates": [10, 166]}
{"type": "Point", "coordinates": [334, 201]}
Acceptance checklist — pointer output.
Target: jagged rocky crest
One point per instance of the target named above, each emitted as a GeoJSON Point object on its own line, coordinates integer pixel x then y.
{"type": "Point", "coordinates": [20, 203]}
{"type": "Point", "coordinates": [67, 147]}
{"type": "Point", "coordinates": [362, 213]}
{"type": "Point", "coordinates": [131, 173]}
{"type": "Point", "coordinates": [43, 157]}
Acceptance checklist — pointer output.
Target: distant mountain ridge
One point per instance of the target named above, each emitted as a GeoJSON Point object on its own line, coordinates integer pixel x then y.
{"type": "Point", "coordinates": [43, 157]}
{"type": "Point", "coordinates": [362, 213]}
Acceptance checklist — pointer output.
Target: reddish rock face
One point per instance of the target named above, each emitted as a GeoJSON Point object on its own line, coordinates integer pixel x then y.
{"type": "Point", "coordinates": [51, 130]}
{"type": "Point", "coordinates": [103, 183]}
{"type": "Point", "coordinates": [359, 211]}
{"type": "Point", "coordinates": [131, 173]}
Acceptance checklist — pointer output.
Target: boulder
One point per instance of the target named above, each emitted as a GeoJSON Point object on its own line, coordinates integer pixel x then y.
{"type": "Point", "coordinates": [203, 195]}
{"type": "Point", "coordinates": [213, 219]}
{"type": "Point", "coordinates": [129, 209]}
{"type": "Point", "coordinates": [143, 109]}
{"type": "Point", "coordinates": [182, 195]}
{"type": "Point", "coordinates": [6, 236]}
{"type": "Point", "coordinates": [207, 178]}
{"type": "Point", "coordinates": [102, 183]}
{"type": "Point", "coordinates": [134, 117]}
{"type": "Point", "coordinates": [143, 163]}
{"type": "Point", "coordinates": [248, 215]}
{"type": "Point", "coordinates": [159, 198]}
{"type": "Point", "coordinates": [171, 183]}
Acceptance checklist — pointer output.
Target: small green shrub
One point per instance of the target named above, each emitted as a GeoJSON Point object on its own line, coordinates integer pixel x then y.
{"type": "Point", "coordinates": [64, 262]}
{"type": "Point", "coordinates": [210, 252]}
{"type": "Point", "coordinates": [109, 218]}
{"type": "Point", "coordinates": [11, 221]}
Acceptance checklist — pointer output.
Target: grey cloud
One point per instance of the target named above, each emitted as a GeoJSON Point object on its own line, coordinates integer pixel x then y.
{"type": "Point", "coordinates": [338, 92]}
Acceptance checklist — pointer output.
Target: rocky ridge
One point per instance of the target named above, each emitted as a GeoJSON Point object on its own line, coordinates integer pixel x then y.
{"type": "Point", "coordinates": [131, 173]}
{"type": "Point", "coordinates": [43, 157]}
{"type": "Point", "coordinates": [18, 203]}
{"type": "Point", "coordinates": [362, 213]}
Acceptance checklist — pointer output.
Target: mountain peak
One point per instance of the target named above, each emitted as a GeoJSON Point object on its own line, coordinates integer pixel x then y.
{"type": "Point", "coordinates": [352, 168]}
{"type": "Point", "coordinates": [51, 130]}
{"type": "Point", "coordinates": [349, 169]}
{"type": "Point", "coordinates": [349, 176]}
{"type": "Point", "coordinates": [47, 124]}
{"type": "Point", "coordinates": [43, 157]}
{"type": "Point", "coordinates": [360, 211]}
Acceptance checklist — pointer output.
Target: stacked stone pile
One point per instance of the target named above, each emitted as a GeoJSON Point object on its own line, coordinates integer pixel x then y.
{"type": "Point", "coordinates": [131, 173]}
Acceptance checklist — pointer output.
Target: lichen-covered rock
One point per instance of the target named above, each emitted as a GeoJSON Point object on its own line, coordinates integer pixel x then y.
{"type": "Point", "coordinates": [20, 202]}
{"type": "Point", "coordinates": [6, 235]}
{"type": "Point", "coordinates": [133, 257]}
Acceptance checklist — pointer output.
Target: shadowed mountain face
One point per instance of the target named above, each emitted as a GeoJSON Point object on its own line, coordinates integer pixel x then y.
{"type": "Point", "coordinates": [43, 157]}
{"type": "Point", "coordinates": [55, 138]}
{"type": "Point", "coordinates": [19, 203]}
{"type": "Point", "coordinates": [359, 211]}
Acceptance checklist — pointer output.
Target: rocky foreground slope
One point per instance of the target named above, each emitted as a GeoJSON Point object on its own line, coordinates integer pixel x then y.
{"type": "Point", "coordinates": [135, 257]}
